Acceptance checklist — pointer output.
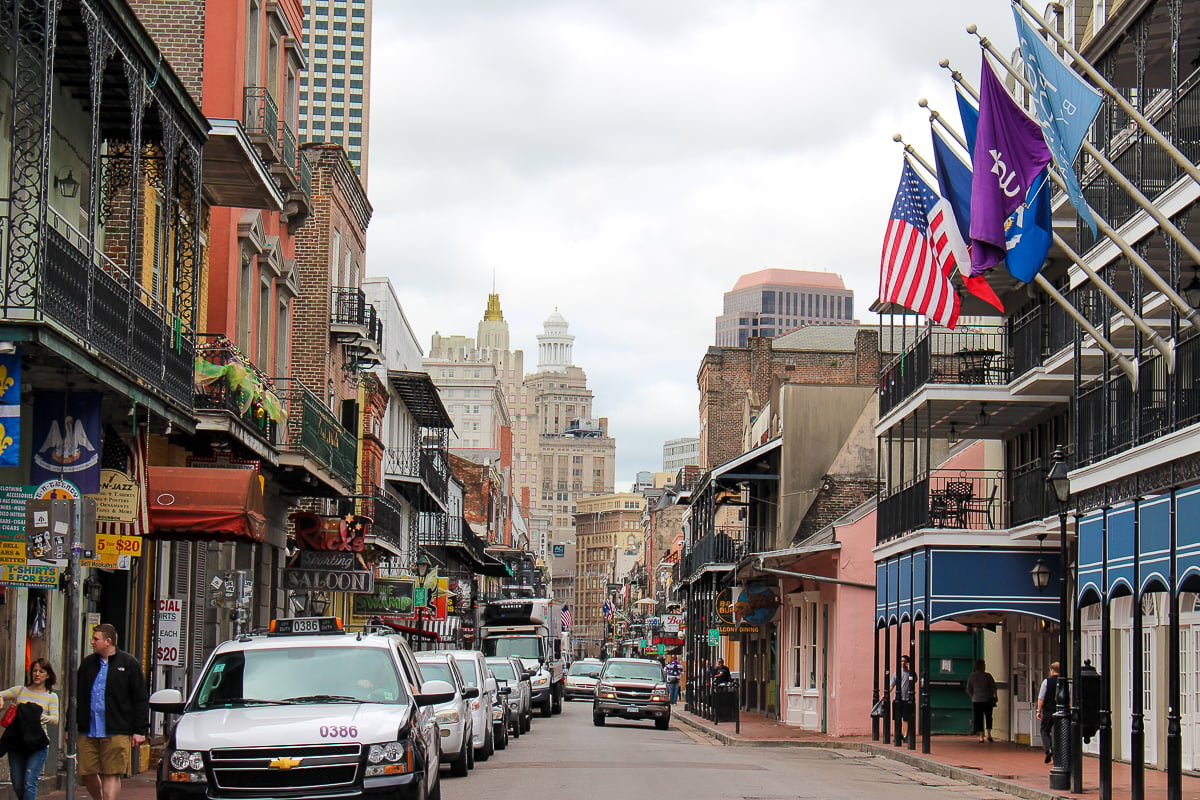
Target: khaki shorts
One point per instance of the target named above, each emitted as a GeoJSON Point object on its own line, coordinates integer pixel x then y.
{"type": "Point", "coordinates": [107, 756]}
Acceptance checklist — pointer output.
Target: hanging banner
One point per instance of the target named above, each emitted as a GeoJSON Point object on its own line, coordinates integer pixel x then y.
{"type": "Point", "coordinates": [66, 439]}
{"type": "Point", "coordinates": [10, 409]}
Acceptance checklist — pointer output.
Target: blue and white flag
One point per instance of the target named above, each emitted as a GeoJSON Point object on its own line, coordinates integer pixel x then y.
{"type": "Point", "coordinates": [1065, 106]}
{"type": "Point", "coordinates": [10, 409]}
{"type": "Point", "coordinates": [66, 439]}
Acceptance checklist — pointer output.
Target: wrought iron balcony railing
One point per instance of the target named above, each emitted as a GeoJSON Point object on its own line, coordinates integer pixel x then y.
{"type": "Point", "coordinates": [427, 465]}
{"type": "Point", "coordinates": [723, 547]}
{"type": "Point", "coordinates": [961, 499]}
{"type": "Point", "coordinates": [387, 520]}
{"type": "Point", "coordinates": [95, 300]}
{"type": "Point", "coordinates": [965, 356]}
{"type": "Point", "coordinates": [313, 431]}
{"type": "Point", "coordinates": [260, 119]}
{"type": "Point", "coordinates": [226, 380]}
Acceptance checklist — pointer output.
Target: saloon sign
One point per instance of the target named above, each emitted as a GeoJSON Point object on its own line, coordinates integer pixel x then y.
{"type": "Point", "coordinates": [305, 580]}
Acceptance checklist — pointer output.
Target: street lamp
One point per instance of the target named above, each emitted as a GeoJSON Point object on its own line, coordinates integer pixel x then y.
{"type": "Point", "coordinates": [1060, 484]}
{"type": "Point", "coordinates": [421, 569]}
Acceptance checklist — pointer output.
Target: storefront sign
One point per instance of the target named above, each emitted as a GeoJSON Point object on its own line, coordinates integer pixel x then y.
{"type": "Point", "coordinates": [714, 637]}
{"type": "Point", "coordinates": [304, 580]}
{"type": "Point", "coordinates": [29, 575]}
{"type": "Point", "coordinates": [12, 511]}
{"type": "Point", "coordinates": [117, 499]}
{"type": "Point", "coordinates": [168, 651]}
{"type": "Point", "coordinates": [390, 598]}
{"type": "Point", "coordinates": [671, 622]}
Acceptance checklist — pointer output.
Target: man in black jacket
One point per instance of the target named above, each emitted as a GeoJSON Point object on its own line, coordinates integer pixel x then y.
{"type": "Point", "coordinates": [112, 715]}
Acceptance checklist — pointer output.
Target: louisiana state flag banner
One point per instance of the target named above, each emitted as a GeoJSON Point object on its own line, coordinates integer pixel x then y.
{"type": "Point", "coordinates": [66, 439]}
{"type": "Point", "coordinates": [10, 409]}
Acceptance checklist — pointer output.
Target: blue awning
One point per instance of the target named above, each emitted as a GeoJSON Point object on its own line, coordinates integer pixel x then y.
{"type": "Point", "coordinates": [936, 583]}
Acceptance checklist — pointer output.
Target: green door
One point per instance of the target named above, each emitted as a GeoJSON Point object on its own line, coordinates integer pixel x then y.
{"type": "Point", "coordinates": [952, 657]}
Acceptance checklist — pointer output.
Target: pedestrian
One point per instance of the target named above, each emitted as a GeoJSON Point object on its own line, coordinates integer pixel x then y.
{"type": "Point", "coordinates": [25, 763]}
{"type": "Point", "coordinates": [674, 672]}
{"type": "Point", "coordinates": [904, 687]}
{"type": "Point", "coordinates": [112, 715]}
{"type": "Point", "coordinates": [981, 687]}
{"type": "Point", "coordinates": [1047, 697]}
{"type": "Point", "coordinates": [720, 675]}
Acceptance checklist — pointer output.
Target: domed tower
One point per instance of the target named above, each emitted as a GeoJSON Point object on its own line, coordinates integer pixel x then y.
{"type": "Point", "coordinates": [554, 344]}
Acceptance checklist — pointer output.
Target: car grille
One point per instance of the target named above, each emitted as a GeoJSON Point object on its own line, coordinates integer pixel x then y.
{"type": "Point", "coordinates": [327, 768]}
{"type": "Point", "coordinates": [640, 693]}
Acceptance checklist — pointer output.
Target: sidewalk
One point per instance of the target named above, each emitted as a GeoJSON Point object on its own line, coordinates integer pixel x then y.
{"type": "Point", "coordinates": [1014, 769]}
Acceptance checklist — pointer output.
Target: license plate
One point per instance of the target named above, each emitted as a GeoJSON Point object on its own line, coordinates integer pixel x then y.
{"type": "Point", "coordinates": [633, 710]}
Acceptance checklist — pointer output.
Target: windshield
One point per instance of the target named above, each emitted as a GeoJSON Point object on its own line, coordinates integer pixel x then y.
{"type": "Point", "coordinates": [587, 670]}
{"type": "Point", "coordinates": [436, 671]}
{"type": "Point", "coordinates": [503, 670]}
{"type": "Point", "coordinates": [524, 646]}
{"type": "Point", "coordinates": [469, 672]}
{"type": "Point", "coordinates": [300, 675]}
{"type": "Point", "coordinates": [645, 672]}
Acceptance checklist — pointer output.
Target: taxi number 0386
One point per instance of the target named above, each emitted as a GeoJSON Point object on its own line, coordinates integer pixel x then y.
{"type": "Point", "coordinates": [339, 732]}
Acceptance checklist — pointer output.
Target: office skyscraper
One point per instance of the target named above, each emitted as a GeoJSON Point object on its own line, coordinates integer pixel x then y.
{"type": "Point", "coordinates": [771, 302]}
{"type": "Point", "coordinates": [335, 89]}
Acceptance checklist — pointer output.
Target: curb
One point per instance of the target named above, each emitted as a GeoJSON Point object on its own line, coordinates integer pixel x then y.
{"type": "Point", "coordinates": [904, 756]}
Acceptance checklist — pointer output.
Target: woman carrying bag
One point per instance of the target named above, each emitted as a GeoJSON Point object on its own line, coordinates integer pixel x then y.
{"type": "Point", "coordinates": [27, 738]}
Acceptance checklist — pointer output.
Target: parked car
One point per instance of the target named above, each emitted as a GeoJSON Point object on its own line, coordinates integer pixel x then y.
{"type": "Point", "coordinates": [454, 717]}
{"type": "Point", "coordinates": [306, 692]}
{"type": "Point", "coordinates": [475, 673]}
{"type": "Point", "coordinates": [510, 670]}
{"type": "Point", "coordinates": [632, 688]}
{"type": "Point", "coordinates": [581, 678]}
{"type": "Point", "coordinates": [501, 715]}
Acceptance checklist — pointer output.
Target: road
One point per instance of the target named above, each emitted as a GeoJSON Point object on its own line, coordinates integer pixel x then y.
{"type": "Point", "coordinates": [567, 757]}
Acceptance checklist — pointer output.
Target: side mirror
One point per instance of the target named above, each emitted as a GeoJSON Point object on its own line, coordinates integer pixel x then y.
{"type": "Point", "coordinates": [435, 692]}
{"type": "Point", "coordinates": [529, 673]}
{"type": "Point", "coordinates": [505, 689]}
{"type": "Point", "coordinates": [489, 685]}
{"type": "Point", "coordinates": [168, 701]}
{"type": "Point", "coordinates": [470, 692]}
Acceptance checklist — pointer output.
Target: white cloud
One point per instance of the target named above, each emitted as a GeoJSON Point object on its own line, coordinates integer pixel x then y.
{"type": "Point", "coordinates": [626, 161]}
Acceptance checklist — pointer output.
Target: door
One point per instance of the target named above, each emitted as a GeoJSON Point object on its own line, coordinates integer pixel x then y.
{"type": "Point", "coordinates": [802, 694]}
{"type": "Point", "coordinates": [1030, 664]}
{"type": "Point", "coordinates": [1189, 693]}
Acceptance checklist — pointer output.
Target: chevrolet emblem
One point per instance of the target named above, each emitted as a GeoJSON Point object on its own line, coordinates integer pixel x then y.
{"type": "Point", "coordinates": [283, 762]}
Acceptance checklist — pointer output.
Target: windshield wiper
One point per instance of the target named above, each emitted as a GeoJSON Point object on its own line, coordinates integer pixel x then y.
{"type": "Point", "coordinates": [246, 701]}
{"type": "Point", "coordinates": [323, 698]}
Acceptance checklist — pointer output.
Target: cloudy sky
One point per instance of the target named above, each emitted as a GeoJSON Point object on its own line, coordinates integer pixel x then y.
{"type": "Point", "coordinates": [624, 161]}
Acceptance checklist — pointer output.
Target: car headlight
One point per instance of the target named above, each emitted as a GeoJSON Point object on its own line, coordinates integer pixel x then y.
{"type": "Point", "coordinates": [497, 713]}
{"type": "Point", "coordinates": [187, 766]}
{"type": "Point", "coordinates": [606, 692]}
{"type": "Point", "coordinates": [448, 716]}
{"type": "Point", "coordinates": [659, 696]}
{"type": "Point", "coordinates": [540, 680]}
{"type": "Point", "coordinates": [389, 758]}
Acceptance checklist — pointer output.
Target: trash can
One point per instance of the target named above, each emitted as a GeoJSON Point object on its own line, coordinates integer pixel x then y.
{"type": "Point", "coordinates": [725, 699]}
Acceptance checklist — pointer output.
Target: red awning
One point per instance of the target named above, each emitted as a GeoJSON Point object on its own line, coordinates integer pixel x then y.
{"type": "Point", "coordinates": [206, 504]}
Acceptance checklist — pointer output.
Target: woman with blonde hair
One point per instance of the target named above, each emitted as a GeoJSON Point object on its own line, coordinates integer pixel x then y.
{"type": "Point", "coordinates": [24, 765]}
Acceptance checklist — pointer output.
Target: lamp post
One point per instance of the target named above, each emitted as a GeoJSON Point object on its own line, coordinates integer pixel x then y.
{"type": "Point", "coordinates": [1060, 484]}
{"type": "Point", "coordinates": [421, 569]}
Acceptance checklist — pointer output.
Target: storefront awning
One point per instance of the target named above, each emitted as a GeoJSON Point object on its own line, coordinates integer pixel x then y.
{"type": "Point", "coordinates": [206, 504]}
{"type": "Point", "coordinates": [492, 567]}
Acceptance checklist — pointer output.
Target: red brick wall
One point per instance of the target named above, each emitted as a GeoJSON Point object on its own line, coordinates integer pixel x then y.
{"type": "Point", "coordinates": [729, 377]}
{"type": "Point", "coordinates": [177, 27]}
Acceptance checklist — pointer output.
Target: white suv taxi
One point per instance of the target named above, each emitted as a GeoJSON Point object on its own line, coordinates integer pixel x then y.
{"type": "Point", "coordinates": [304, 710]}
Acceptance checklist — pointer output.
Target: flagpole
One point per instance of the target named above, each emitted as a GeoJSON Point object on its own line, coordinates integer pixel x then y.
{"type": "Point", "coordinates": [1135, 194]}
{"type": "Point", "coordinates": [1127, 367]}
{"type": "Point", "coordinates": [1143, 123]}
{"type": "Point", "coordinates": [1163, 347]}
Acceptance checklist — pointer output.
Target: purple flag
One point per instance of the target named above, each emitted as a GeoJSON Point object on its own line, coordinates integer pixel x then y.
{"type": "Point", "coordinates": [1009, 154]}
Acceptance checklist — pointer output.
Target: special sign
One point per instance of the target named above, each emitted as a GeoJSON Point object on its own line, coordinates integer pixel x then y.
{"type": "Point", "coordinates": [168, 650]}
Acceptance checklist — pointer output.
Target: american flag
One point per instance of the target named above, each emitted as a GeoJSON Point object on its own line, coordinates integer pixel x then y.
{"type": "Point", "coordinates": [566, 617]}
{"type": "Point", "coordinates": [917, 257]}
{"type": "Point", "coordinates": [607, 610]}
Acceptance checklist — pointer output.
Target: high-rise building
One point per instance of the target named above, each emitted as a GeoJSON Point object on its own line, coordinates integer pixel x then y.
{"type": "Point", "coordinates": [681, 452]}
{"type": "Point", "coordinates": [771, 302]}
{"type": "Point", "coordinates": [335, 90]}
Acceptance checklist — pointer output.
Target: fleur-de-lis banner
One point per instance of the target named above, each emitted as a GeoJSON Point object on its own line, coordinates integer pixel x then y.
{"type": "Point", "coordinates": [66, 439]}
{"type": "Point", "coordinates": [10, 409]}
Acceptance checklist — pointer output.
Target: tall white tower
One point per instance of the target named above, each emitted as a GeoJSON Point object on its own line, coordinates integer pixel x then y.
{"type": "Point", "coordinates": [554, 344]}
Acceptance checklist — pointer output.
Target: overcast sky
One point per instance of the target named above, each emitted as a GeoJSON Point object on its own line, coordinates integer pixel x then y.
{"type": "Point", "coordinates": [625, 161]}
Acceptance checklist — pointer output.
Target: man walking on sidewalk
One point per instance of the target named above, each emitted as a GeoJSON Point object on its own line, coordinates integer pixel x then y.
{"type": "Point", "coordinates": [112, 713]}
{"type": "Point", "coordinates": [1047, 697]}
{"type": "Point", "coordinates": [674, 670]}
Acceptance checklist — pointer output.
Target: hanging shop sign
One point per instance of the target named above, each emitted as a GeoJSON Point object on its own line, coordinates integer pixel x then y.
{"type": "Point", "coordinates": [168, 650]}
{"type": "Point", "coordinates": [117, 500]}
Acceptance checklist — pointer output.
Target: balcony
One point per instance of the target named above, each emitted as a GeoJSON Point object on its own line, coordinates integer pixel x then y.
{"type": "Point", "coordinates": [422, 475]}
{"type": "Point", "coordinates": [260, 119]}
{"type": "Point", "coordinates": [719, 550]}
{"type": "Point", "coordinates": [314, 443]}
{"type": "Point", "coordinates": [90, 298]}
{"type": "Point", "coordinates": [233, 396]}
{"type": "Point", "coordinates": [947, 499]}
{"type": "Point", "coordinates": [388, 529]}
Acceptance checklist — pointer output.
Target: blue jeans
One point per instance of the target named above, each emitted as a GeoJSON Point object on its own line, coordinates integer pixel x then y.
{"type": "Point", "coordinates": [26, 770]}
{"type": "Point", "coordinates": [674, 687]}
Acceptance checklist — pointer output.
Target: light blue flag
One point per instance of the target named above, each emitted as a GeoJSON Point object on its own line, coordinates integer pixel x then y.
{"type": "Point", "coordinates": [1065, 106]}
